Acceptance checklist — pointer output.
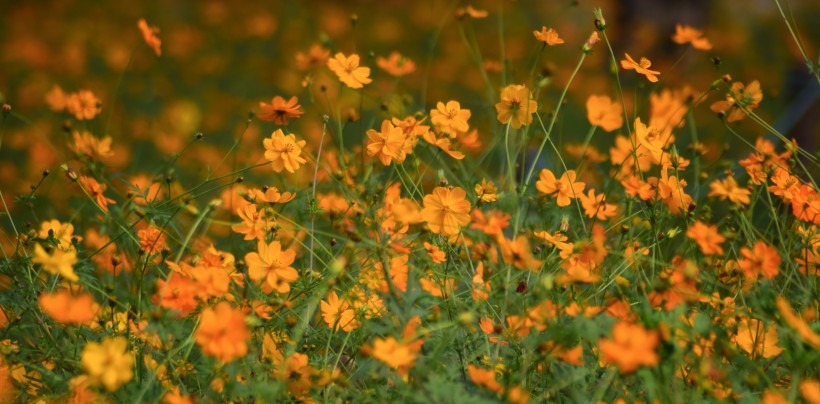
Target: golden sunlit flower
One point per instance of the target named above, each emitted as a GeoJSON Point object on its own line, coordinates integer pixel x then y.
{"type": "Point", "coordinates": [486, 191]}
{"type": "Point", "coordinates": [450, 118]}
{"type": "Point", "coordinates": [284, 151]}
{"type": "Point", "coordinates": [348, 70]}
{"type": "Point", "coordinates": [59, 262]}
{"type": "Point", "coordinates": [273, 265]}
{"type": "Point", "coordinates": [739, 100]}
{"type": "Point", "coordinates": [108, 362]}
{"type": "Point", "coordinates": [446, 211]}
{"type": "Point", "coordinates": [387, 145]}
{"type": "Point", "coordinates": [755, 340]}
{"type": "Point", "coordinates": [516, 106]}
{"type": "Point", "coordinates": [563, 189]}
{"type": "Point", "coordinates": [548, 36]}
{"type": "Point", "coordinates": [603, 112]}
{"type": "Point", "coordinates": [640, 68]}
{"type": "Point", "coordinates": [338, 314]}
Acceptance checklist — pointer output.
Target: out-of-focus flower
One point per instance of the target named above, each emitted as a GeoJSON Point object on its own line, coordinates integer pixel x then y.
{"type": "Point", "coordinates": [149, 34]}
{"type": "Point", "coordinates": [279, 110]}
{"type": "Point", "coordinates": [108, 362]}
{"type": "Point", "coordinates": [686, 34]}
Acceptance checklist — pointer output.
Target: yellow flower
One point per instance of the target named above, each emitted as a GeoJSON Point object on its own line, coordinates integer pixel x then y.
{"type": "Point", "coordinates": [59, 262]}
{"type": "Point", "coordinates": [284, 152]}
{"type": "Point", "coordinates": [756, 340]}
{"type": "Point", "coordinates": [348, 70]}
{"type": "Point", "coordinates": [641, 68]}
{"type": "Point", "coordinates": [108, 362]}
{"type": "Point", "coordinates": [548, 36]}
{"type": "Point", "coordinates": [450, 118]}
{"type": "Point", "coordinates": [486, 191]}
{"type": "Point", "coordinates": [387, 145]}
{"type": "Point", "coordinates": [446, 211]}
{"type": "Point", "coordinates": [516, 107]}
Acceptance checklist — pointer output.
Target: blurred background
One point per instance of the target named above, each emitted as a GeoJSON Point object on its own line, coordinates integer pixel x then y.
{"type": "Point", "coordinates": [221, 58]}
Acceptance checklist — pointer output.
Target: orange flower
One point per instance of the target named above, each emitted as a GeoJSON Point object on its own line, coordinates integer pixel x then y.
{"type": "Point", "coordinates": [444, 144]}
{"type": "Point", "coordinates": [396, 64]}
{"type": "Point", "coordinates": [95, 189]}
{"type": "Point", "coordinates": [630, 347]}
{"type": "Point", "coordinates": [603, 112]}
{"type": "Point", "coordinates": [761, 259]}
{"type": "Point", "coordinates": [591, 41]}
{"type": "Point", "coordinates": [338, 314]}
{"type": "Point", "coordinates": [446, 210]}
{"type": "Point", "coordinates": [729, 189]}
{"type": "Point", "coordinates": [797, 323]}
{"type": "Point", "coordinates": [86, 144]}
{"type": "Point", "coordinates": [389, 144]}
{"type": "Point", "coordinates": [151, 239]}
{"type": "Point", "coordinates": [399, 355]}
{"type": "Point", "coordinates": [562, 189]}
{"type": "Point", "coordinates": [672, 191]}
{"type": "Point", "coordinates": [707, 237]}
{"type": "Point", "coordinates": [640, 68]}
{"type": "Point", "coordinates": [71, 308]}
{"type": "Point", "coordinates": [149, 34]}
{"type": "Point", "coordinates": [56, 98]}
{"type": "Point", "coordinates": [59, 262]}
{"type": "Point", "coordinates": [279, 110]}
{"type": "Point", "coordinates": [450, 118]}
{"type": "Point", "coordinates": [270, 195]}
{"type": "Point", "coordinates": [222, 332]}
{"type": "Point", "coordinates": [393, 353]}
{"type": "Point", "coordinates": [596, 206]}
{"type": "Point", "coordinates": [738, 99]}
{"type": "Point", "coordinates": [486, 191]}
{"type": "Point", "coordinates": [810, 389]}
{"type": "Point", "coordinates": [436, 254]}
{"type": "Point", "coordinates": [548, 36]}
{"type": "Point", "coordinates": [755, 340]}
{"type": "Point", "coordinates": [348, 70]}
{"type": "Point", "coordinates": [316, 56]}
{"type": "Point", "coordinates": [254, 223]}
{"type": "Point", "coordinates": [685, 33]}
{"type": "Point", "coordinates": [284, 151]}
{"type": "Point", "coordinates": [516, 106]}
{"type": "Point", "coordinates": [177, 293]}
{"type": "Point", "coordinates": [471, 12]}
{"type": "Point", "coordinates": [484, 378]}
{"type": "Point", "coordinates": [481, 283]}
{"type": "Point", "coordinates": [83, 105]}
{"type": "Point", "coordinates": [518, 253]}
{"type": "Point", "coordinates": [273, 264]}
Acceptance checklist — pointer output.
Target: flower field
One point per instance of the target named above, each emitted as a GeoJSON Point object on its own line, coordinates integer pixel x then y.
{"type": "Point", "coordinates": [428, 201]}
